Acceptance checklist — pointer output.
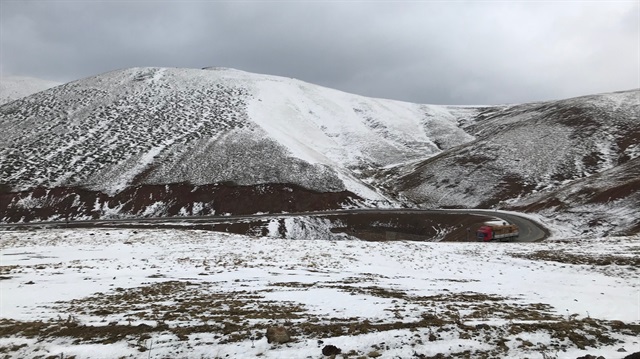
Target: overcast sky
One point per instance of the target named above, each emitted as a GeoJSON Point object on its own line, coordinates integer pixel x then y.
{"type": "Point", "coordinates": [440, 52]}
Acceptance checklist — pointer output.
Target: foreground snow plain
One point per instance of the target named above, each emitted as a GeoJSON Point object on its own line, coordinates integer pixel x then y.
{"type": "Point", "coordinates": [118, 293]}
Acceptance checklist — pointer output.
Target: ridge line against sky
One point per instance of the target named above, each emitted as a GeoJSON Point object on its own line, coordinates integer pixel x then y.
{"type": "Point", "coordinates": [455, 53]}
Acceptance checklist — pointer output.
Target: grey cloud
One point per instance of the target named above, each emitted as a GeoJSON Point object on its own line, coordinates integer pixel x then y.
{"type": "Point", "coordinates": [431, 52]}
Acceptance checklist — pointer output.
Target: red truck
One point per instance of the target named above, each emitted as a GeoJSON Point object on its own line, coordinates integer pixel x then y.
{"type": "Point", "coordinates": [504, 232]}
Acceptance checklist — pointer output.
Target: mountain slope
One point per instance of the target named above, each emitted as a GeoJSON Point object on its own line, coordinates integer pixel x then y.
{"type": "Point", "coordinates": [607, 202]}
{"type": "Point", "coordinates": [83, 147]}
{"type": "Point", "coordinates": [155, 126]}
{"type": "Point", "coordinates": [535, 157]}
{"type": "Point", "coordinates": [528, 148]}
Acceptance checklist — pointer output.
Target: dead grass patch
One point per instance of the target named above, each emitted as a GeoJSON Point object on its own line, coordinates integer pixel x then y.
{"type": "Point", "coordinates": [374, 291]}
{"type": "Point", "coordinates": [185, 308]}
{"type": "Point", "coordinates": [581, 259]}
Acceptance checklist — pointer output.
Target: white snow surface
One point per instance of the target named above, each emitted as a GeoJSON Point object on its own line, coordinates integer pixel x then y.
{"type": "Point", "coordinates": [46, 271]}
{"type": "Point", "coordinates": [15, 87]}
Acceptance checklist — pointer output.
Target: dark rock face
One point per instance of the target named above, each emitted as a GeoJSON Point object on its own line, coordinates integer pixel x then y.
{"type": "Point", "coordinates": [278, 335]}
{"type": "Point", "coordinates": [329, 350]}
{"type": "Point", "coordinates": [166, 200]}
{"type": "Point", "coordinates": [635, 355]}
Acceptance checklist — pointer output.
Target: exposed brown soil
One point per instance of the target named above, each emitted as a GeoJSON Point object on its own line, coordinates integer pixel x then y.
{"type": "Point", "coordinates": [511, 186]}
{"type": "Point", "coordinates": [74, 202]}
{"type": "Point", "coordinates": [617, 192]}
{"type": "Point", "coordinates": [632, 138]}
{"type": "Point", "coordinates": [575, 116]}
{"type": "Point", "coordinates": [540, 205]}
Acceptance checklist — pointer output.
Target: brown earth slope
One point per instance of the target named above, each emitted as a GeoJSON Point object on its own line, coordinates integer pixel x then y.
{"type": "Point", "coordinates": [180, 199]}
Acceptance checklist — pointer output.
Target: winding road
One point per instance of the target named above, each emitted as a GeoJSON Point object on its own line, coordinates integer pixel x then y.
{"type": "Point", "coordinates": [530, 230]}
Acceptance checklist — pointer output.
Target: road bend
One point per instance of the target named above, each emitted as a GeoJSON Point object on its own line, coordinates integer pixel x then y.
{"type": "Point", "coordinates": [530, 230]}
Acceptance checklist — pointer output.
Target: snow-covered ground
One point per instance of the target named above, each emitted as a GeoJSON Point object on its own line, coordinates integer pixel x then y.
{"type": "Point", "coordinates": [108, 293]}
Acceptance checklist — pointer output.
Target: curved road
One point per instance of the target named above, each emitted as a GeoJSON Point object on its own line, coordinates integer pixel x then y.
{"type": "Point", "coordinates": [530, 231]}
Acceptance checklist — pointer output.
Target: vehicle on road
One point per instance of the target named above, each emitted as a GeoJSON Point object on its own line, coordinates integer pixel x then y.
{"type": "Point", "coordinates": [499, 232]}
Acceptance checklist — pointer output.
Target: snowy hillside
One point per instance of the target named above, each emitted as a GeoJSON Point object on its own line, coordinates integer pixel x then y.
{"type": "Point", "coordinates": [157, 136]}
{"type": "Point", "coordinates": [13, 87]}
{"type": "Point", "coordinates": [530, 150]}
{"type": "Point", "coordinates": [156, 126]}
{"type": "Point", "coordinates": [608, 202]}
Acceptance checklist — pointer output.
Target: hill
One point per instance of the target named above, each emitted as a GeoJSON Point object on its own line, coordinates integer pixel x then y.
{"type": "Point", "coordinates": [523, 156]}
{"type": "Point", "coordinates": [156, 134]}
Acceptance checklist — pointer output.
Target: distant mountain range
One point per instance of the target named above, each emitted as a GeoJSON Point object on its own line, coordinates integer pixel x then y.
{"type": "Point", "coordinates": [14, 87]}
{"type": "Point", "coordinates": [145, 141]}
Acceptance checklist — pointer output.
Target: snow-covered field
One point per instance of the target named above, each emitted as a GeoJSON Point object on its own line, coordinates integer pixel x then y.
{"type": "Point", "coordinates": [110, 293]}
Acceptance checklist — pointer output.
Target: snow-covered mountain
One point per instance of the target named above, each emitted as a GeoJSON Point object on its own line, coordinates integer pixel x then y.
{"type": "Point", "coordinates": [15, 87]}
{"type": "Point", "coordinates": [130, 129]}
{"type": "Point", "coordinates": [151, 126]}
{"type": "Point", "coordinates": [527, 153]}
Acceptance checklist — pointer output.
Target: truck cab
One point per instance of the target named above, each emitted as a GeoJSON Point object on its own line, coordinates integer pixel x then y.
{"type": "Point", "coordinates": [484, 233]}
{"type": "Point", "coordinates": [492, 232]}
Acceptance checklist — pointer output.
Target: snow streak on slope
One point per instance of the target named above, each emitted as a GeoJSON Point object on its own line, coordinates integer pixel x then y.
{"type": "Point", "coordinates": [155, 126]}
{"type": "Point", "coordinates": [354, 134]}
{"type": "Point", "coordinates": [13, 88]}
{"type": "Point", "coordinates": [337, 127]}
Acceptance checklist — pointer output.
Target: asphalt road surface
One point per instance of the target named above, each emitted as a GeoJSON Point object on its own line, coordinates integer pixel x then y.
{"type": "Point", "coordinates": [530, 231]}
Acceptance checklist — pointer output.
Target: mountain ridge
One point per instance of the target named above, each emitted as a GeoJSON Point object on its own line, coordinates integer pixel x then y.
{"type": "Point", "coordinates": [16, 87]}
{"type": "Point", "coordinates": [162, 126]}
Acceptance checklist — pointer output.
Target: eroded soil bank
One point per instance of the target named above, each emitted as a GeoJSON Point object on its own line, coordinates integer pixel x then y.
{"type": "Point", "coordinates": [178, 199]}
